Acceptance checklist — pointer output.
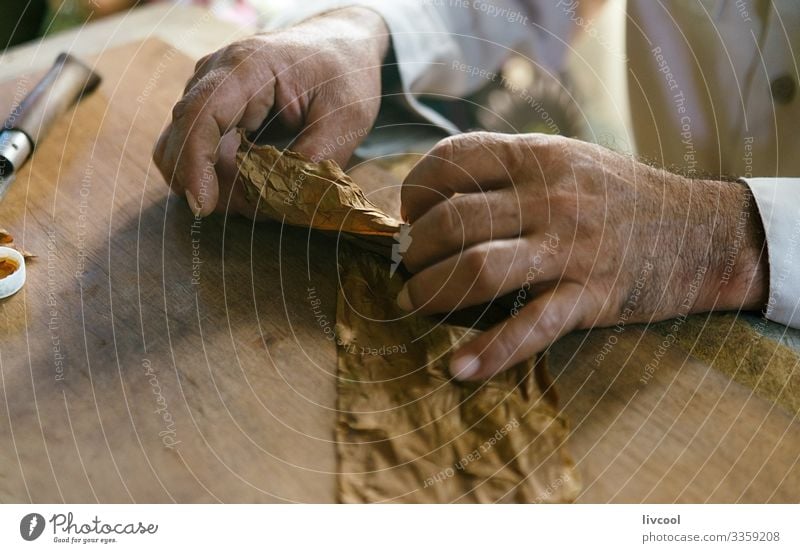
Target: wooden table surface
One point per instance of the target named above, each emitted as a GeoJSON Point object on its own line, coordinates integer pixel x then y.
{"type": "Point", "coordinates": [191, 30]}
{"type": "Point", "coordinates": [185, 363]}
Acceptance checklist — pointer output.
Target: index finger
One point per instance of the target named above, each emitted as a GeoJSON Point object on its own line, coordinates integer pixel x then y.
{"type": "Point", "coordinates": [471, 162]}
{"type": "Point", "coordinates": [190, 150]}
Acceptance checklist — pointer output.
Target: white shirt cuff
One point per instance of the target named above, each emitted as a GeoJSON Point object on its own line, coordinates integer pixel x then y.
{"type": "Point", "coordinates": [778, 201]}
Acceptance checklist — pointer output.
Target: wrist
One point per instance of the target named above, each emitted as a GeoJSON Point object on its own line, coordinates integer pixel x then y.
{"type": "Point", "coordinates": [738, 277]}
{"type": "Point", "coordinates": [363, 25]}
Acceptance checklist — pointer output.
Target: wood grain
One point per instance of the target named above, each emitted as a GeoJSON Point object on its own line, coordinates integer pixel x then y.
{"type": "Point", "coordinates": [688, 434]}
{"type": "Point", "coordinates": [244, 370]}
{"type": "Point", "coordinates": [231, 350]}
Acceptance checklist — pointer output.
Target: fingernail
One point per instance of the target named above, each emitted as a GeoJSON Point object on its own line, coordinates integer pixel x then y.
{"type": "Point", "coordinates": [404, 299]}
{"type": "Point", "coordinates": [464, 367]}
{"type": "Point", "coordinates": [193, 205]}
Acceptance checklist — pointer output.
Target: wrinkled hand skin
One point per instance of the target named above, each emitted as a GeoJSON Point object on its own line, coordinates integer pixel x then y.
{"type": "Point", "coordinates": [587, 238]}
{"type": "Point", "coordinates": [319, 80]}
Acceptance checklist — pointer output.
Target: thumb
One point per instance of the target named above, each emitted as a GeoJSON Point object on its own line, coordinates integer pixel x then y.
{"type": "Point", "coordinates": [539, 324]}
{"type": "Point", "coordinates": [333, 134]}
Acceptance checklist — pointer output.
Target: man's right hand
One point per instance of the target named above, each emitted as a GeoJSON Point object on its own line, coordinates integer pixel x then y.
{"type": "Point", "coordinates": [319, 81]}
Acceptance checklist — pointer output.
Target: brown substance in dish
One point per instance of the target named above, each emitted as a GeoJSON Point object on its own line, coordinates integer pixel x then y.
{"type": "Point", "coordinates": [8, 241]}
{"type": "Point", "coordinates": [7, 267]}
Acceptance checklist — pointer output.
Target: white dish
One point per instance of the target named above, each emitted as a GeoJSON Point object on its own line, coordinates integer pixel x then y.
{"type": "Point", "coordinates": [16, 280]}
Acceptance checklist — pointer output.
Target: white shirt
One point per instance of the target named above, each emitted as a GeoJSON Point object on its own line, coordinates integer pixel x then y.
{"type": "Point", "coordinates": [713, 87]}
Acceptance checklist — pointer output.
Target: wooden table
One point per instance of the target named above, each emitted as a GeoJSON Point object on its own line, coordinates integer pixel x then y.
{"type": "Point", "coordinates": [151, 358]}
{"type": "Point", "coordinates": [189, 29]}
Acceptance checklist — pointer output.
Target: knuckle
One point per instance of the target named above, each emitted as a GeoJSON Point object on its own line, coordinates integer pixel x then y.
{"type": "Point", "coordinates": [238, 53]}
{"type": "Point", "coordinates": [547, 149]}
{"type": "Point", "coordinates": [332, 99]}
{"type": "Point", "coordinates": [450, 147]}
{"type": "Point", "coordinates": [421, 176]}
{"type": "Point", "coordinates": [488, 138]}
{"type": "Point", "coordinates": [514, 214]}
{"type": "Point", "coordinates": [505, 151]}
{"type": "Point", "coordinates": [476, 264]}
{"type": "Point", "coordinates": [335, 59]}
{"type": "Point", "coordinates": [474, 260]}
{"type": "Point", "coordinates": [542, 141]}
{"type": "Point", "coordinates": [502, 351]}
{"type": "Point", "coordinates": [211, 81]}
{"type": "Point", "coordinates": [182, 107]}
{"type": "Point", "coordinates": [484, 140]}
{"type": "Point", "coordinates": [448, 224]}
{"type": "Point", "coordinates": [196, 99]}
{"type": "Point", "coordinates": [548, 324]}
{"type": "Point", "coordinates": [443, 150]}
{"type": "Point", "coordinates": [202, 62]}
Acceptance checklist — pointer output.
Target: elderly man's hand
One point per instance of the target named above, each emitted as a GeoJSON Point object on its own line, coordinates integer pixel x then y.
{"type": "Point", "coordinates": [320, 79]}
{"type": "Point", "coordinates": [586, 237]}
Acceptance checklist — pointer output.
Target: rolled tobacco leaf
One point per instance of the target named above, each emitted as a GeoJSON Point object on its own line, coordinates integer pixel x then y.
{"type": "Point", "coordinates": [289, 187]}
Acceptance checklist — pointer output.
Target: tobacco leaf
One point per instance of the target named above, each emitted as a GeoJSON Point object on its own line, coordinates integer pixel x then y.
{"type": "Point", "coordinates": [289, 187]}
{"type": "Point", "coordinates": [7, 241]}
{"type": "Point", "coordinates": [407, 432]}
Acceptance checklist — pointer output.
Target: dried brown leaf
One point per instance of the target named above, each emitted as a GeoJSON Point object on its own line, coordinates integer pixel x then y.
{"type": "Point", "coordinates": [408, 432]}
{"type": "Point", "coordinates": [7, 240]}
{"type": "Point", "coordinates": [289, 187]}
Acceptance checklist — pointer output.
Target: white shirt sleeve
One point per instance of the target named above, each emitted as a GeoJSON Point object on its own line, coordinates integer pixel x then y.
{"type": "Point", "coordinates": [778, 201]}
{"type": "Point", "coordinates": [454, 47]}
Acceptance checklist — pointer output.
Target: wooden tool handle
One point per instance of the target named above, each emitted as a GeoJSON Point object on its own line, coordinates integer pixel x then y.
{"type": "Point", "coordinates": [60, 88]}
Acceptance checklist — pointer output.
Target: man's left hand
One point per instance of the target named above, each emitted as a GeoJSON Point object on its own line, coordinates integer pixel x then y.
{"type": "Point", "coordinates": [585, 236]}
